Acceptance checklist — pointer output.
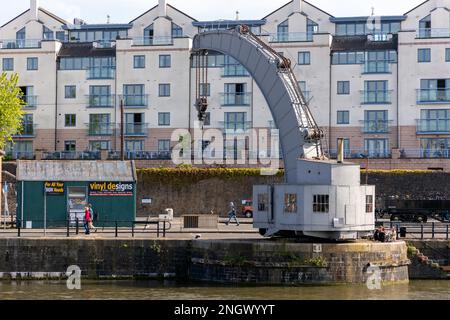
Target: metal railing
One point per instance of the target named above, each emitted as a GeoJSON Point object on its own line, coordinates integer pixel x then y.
{"type": "Point", "coordinates": [71, 155]}
{"type": "Point", "coordinates": [136, 129]}
{"type": "Point", "coordinates": [376, 126]}
{"type": "Point", "coordinates": [235, 99]}
{"type": "Point", "coordinates": [236, 127]}
{"type": "Point", "coordinates": [135, 100]}
{"type": "Point", "coordinates": [30, 102]}
{"type": "Point", "coordinates": [100, 100]}
{"type": "Point", "coordinates": [433, 126]}
{"type": "Point", "coordinates": [234, 70]}
{"type": "Point", "coordinates": [106, 72]}
{"type": "Point", "coordinates": [152, 41]}
{"type": "Point", "coordinates": [100, 129]}
{"type": "Point", "coordinates": [433, 95]}
{"type": "Point", "coordinates": [362, 154]}
{"type": "Point", "coordinates": [142, 155]}
{"type": "Point", "coordinates": [433, 33]}
{"type": "Point", "coordinates": [19, 155]}
{"type": "Point", "coordinates": [290, 37]}
{"type": "Point", "coordinates": [420, 230]}
{"type": "Point", "coordinates": [28, 131]}
{"type": "Point", "coordinates": [20, 44]}
{"type": "Point", "coordinates": [376, 97]}
{"type": "Point", "coordinates": [376, 67]}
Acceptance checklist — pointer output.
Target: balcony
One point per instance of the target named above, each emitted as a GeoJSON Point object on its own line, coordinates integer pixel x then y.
{"type": "Point", "coordinates": [30, 102]}
{"type": "Point", "coordinates": [433, 126]}
{"type": "Point", "coordinates": [236, 127]}
{"type": "Point", "coordinates": [18, 155]}
{"type": "Point", "coordinates": [100, 129]}
{"type": "Point", "coordinates": [362, 154]}
{"type": "Point", "coordinates": [72, 155]}
{"type": "Point", "coordinates": [427, 96]}
{"type": "Point", "coordinates": [425, 153]}
{"type": "Point", "coordinates": [100, 101]}
{"type": "Point", "coordinates": [291, 37]}
{"type": "Point", "coordinates": [376, 126]}
{"type": "Point", "coordinates": [142, 155]}
{"type": "Point", "coordinates": [234, 70]}
{"type": "Point", "coordinates": [235, 99]}
{"type": "Point", "coordinates": [433, 33]}
{"type": "Point", "coordinates": [376, 68]}
{"type": "Point", "coordinates": [376, 97]}
{"type": "Point", "coordinates": [135, 129]}
{"type": "Point", "coordinates": [152, 41]}
{"type": "Point", "coordinates": [28, 131]}
{"type": "Point", "coordinates": [135, 101]}
{"type": "Point", "coordinates": [20, 44]}
{"type": "Point", "coordinates": [99, 73]}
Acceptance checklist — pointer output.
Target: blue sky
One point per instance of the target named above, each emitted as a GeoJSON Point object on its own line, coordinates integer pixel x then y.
{"type": "Point", "coordinates": [95, 11]}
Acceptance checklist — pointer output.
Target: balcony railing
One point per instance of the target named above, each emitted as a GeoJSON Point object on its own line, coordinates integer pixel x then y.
{"type": "Point", "coordinates": [376, 97]}
{"type": "Point", "coordinates": [100, 101]}
{"type": "Point", "coordinates": [236, 127]}
{"type": "Point", "coordinates": [18, 155]}
{"type": "Point", "coordinates": [100, 129]}
{"type": "Point", "coordinates": [143, 155]}
{"type": "Point", "coordinates": [135, 100]}
{"type": "Point", "coordinates": [20, 44]}
{"type": "Point", "coordinates": [376, 126]}
{"type": "Point", "coordinates": [433, 126]}
{"type": "Point", "coordinates": [290, 37]}
{"type": "Point", "coordinates": [72, 155]}
{"type": "Point", "coordinates": [28, 131]}
{"type": "Point", "coordinates": [362, 154]}
{"type": "Point", "coordinates": [30, 102]}
{"type": "Point", "coordinates": [425, 96]}
{"type": "Point", "coordinates": [376, 67]}
{"type": "Point", "coordinates": [101, 73]}
{"type": "Point", "coordinates": [433, 33]}
{"type": "Point", "coordinates": [136, 129]}
{"type": "Point", "coordinates": [152, 41]}
{"type": "Point", "coordinates": [236, 99]}
{"type": "Point", "coordinates": [234, 70]}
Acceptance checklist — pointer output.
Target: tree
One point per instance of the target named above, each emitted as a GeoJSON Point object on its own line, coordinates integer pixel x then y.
{"type": "Point", "coordinates": [11, 114]}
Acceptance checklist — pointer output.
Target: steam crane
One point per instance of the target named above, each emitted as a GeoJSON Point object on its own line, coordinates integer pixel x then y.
{"type": "Point", "coordinates": [320, 198]}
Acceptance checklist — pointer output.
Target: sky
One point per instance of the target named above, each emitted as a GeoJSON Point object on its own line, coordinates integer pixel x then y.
{"type": "Point", "coordinates": [123, 11]}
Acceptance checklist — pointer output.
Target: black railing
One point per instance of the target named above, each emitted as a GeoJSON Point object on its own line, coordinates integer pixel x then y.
{"type": "Point", "coordinates": [419, 230]}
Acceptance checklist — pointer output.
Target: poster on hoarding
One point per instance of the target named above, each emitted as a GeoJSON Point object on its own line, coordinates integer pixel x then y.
{"type": "Point", "coordinates": [54, 188]}
{"type": "Point", "coordinates": [111, 189]}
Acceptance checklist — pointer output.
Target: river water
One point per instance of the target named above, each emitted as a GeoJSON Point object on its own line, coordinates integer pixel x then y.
{"type": "Point", "coordinates": [168, 290]}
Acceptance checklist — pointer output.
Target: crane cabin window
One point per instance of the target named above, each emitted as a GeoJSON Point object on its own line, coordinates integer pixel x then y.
{"type": "Point", "coordinates": [290, 203]}
{"type": "Point", "coordinates": [263, 200]}
{"type": "Point", "coordinates": [321, 203]}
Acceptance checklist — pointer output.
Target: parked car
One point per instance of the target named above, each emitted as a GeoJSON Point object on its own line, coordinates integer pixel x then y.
{"type": "Point", "coordinates": [247, 208]}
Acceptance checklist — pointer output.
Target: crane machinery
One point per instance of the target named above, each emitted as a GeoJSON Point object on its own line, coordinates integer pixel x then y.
{"type": "Point", "coordinates": [319, 198]}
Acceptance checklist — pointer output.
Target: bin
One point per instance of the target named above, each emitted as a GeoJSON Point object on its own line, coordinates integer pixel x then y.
{"type": "Point", "coordinates": [403, 232]}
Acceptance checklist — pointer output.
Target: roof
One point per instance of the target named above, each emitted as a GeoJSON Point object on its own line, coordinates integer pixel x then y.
{"type": "Point", "coordinates": [104, 26]}
{"type": "Point", "coordinates": [157, 7]}
{"type": "Point", "coordinates": [291, 2]}
{"type": "Point", "coordinates": [218, 23]}
{"type": "Point", "coordinates": [364, 19]}
{"type": "Point", "coordinates": [416, 7]}
{"type": "Point", "coordinates": [84, 49]}
{"type": "Point", "coordinates": [64, 22]}
{"type": "Point", "coordinates": [78, 171]}
{"type": "Point", "coordinates": [355, 43]}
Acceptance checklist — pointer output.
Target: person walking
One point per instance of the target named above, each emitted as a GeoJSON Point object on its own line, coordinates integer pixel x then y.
{"type": "Point", "coordinates": [87, 220]}
{"type": "Point", "coordinates": [232, 214]}
{"type": "Point", "coordinates": [91, 223]}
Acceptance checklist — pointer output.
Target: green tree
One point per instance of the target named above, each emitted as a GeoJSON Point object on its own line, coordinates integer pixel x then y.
{"type": "Point", "coordinates": [11, 105]}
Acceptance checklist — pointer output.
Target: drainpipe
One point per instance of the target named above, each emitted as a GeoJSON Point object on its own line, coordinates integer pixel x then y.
{"type": "Point", "coordinates": [115, 103]}
{"type": "Point", "coordinates": [330, 103]}
{"type": "Point", "coordinates": [398, 102]}
{"type": "Point", "coordinates": [56, 106]}
{"type": "Point", "coordinates": [190, 92]}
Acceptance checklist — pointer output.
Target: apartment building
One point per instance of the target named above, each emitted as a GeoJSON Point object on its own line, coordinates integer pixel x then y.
{"type": "Point", "coordinates": [381, 83]}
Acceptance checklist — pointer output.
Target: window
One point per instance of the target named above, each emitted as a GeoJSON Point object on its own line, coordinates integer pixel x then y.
{"type": "Point", "coordinates": [100, 97]}
{"type": "Point", "coordinates": [134, 145]}
{"type": "Point", "coordinates": [425, 27]}
{"type": "Point", "coordinates": [434, 90]}
{"type": "Point", "coordinates": [61, 36]}
{"type": "Point", "coordinates": [100, 125]}
{"type": "Point", "coordinates": [32, 63]}
{"type": "Point", "coordinates": [447, 55]}
{"type": "Point", "coordinates": [377, 148]}
{"type": "Point", "coordinates": [346, 147]}
{"type": "Point", "coordinates": [369, 204]}
{"type": "Point", "coordinates": [311, 29]}
{"type": "Point", "coordinates": [350, 57]}
{"type": "Point", "coordinates": [164, 90]}
{"type": "Point", "coordinates": [205, 89]}
{"type": "Point", "coordinates": [263, 202]}
{"type": "Point", "coordinates": [177, 31]}
{"type": "Point", "coordinates": [207, 121]}
{"type": "Point", "coordinates": [70, 146]}
{"type": "Point", "coordinates": [8, 64]}
{"type": "Point", "coordinates": [99, 145]}
{"type": "Point", "coordinates": [376, 92]}
{"type": "Point", "coordinates": [164, 145]}
{"type": "Point", "coordinates": [343, 117]}
{"type": "Point", "coordinates": [434, 120]}
{"type": "Point", "coordinates": [70, 120]}
{"type": "Point", "coordinates": [164, 119]}
{"type": "Point", "coordinates": [102, 68]}
{"type": "Point", "coordinates": [235, 121]}
{"type": "Point", "coordinates": [435, 148]}
{"type": "Point", "coordinates": [321, 203]}
{"type": "Point", "coordinates": [378, 61]}
{"type": "Point", "coordinates": [283, 31]}
{"type": "Point", "coordinates": [139, 62]}
{"type": "Point", "coordinates": [376, 122]}
{"type": "Point", "coordinates": [424, 55]}
{"type": "Point", "coordinates": [290, 203]}
{"type": "Point", "coordinates": [148, 35]}
{"type": "Point", "coordinates": [134, 95]}
{"type": "Point", "coordinates": [164, 61]}
{"type": "Point", "coordinates": [47, 34]}
{"type": "Point", "coordinates": [343, 87]}
{"type": "Point", "coordinates": [74, 64]}
{"type": "Point", "coordinates": [70, 92]}
{"type": "Point", "coordinates": [304, 58]}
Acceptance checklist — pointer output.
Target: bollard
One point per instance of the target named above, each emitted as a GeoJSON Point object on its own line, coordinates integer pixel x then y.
{"type": "Point", "coordinates": [432, 230]}
{"type": "Point", "coordinates": [164, 229]}
{"type": "Point", "coordinates": [117, 230]}
{"type": "Point", "coordinates": [68, 226]}
{"type": "Point", "coordinates": [447, 232]}
{"type": "Point", "coordinates": [157, 229]}
{"type": "Point", "coordinates": [421, 231]}
{"type": "Point", "coordinates": [132, 230]}
{"type": "Point", "coordinates": [18, 230]}
{"type": "Point", "coordinates": [77, 227]}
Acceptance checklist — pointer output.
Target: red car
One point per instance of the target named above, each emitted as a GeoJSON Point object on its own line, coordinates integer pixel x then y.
{"type": "Point", "coordinates": [247, 208]}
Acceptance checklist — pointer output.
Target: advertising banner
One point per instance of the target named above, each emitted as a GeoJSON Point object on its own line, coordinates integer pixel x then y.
{"type": "Point", "coordinates": [54, 188]}
{"type": "Point", "coordinates": [111, 189]}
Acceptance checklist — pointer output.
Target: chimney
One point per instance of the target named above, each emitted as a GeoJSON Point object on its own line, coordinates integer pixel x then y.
{"type": "Point", "coordinates": [34, 9]}
{"type": "Point", "coordinates": [162, 8]}
{"type": "Point", "coordinates": [341, 152]}
{"type": "Point", "coordinates": [297, 6]}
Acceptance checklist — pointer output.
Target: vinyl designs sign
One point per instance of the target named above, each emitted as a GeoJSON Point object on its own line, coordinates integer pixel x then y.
{"type": "Point", "coordinates": [111, 189]}
{"type": "Point", "coordinates": [54, 188]}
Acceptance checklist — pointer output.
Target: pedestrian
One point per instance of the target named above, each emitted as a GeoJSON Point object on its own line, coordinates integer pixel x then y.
{"type": "Point", "coordinates": [87, 219]}
{"type": "Point", "coordinates": [232, 214]}
{"type": "Point", "coordinates": [91, 223]}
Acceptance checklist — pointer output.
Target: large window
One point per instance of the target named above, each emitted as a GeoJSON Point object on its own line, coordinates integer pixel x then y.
{"type": "Point", "coordinates": [235, 121]}
{"type": "Point", "coordinates": [376, 121]}
{"type": "Point", "coordinates": [164, 118]}
{"type": "Point", "coordinates": [102, 68]}
{"type": "Point", "coordinates": [434, 90]}
{"type": "Point", "coordinates": [283, 31]}
{"type": "Point", "coordinates": [435, 148]}
{"type": "Point", "coordinates": [99, 145]}
{"type": "Point", "coordinates": [74, 64]}
{"type": "Point", "coordinates": [364, 28]}
{"type": "Point", "coordinates": [343, 117]}
{"type": "Point", "coordinates": [8, 64]}
{"type": "Point", "coordinates": [435, 120]}
{"type": "Point", "coordinates": [70, 92]}
{"type": "Point", "coordinates": [377, 62]}
{"type": "Point", "coordinates": [321, 203]}
{"type": "Point", "coordinates": [290, 203]}
{"type": "Point", "coordinates": [425, 27]}
{"type": "Point", "coordinates": [99, 124]}
{"type": "Point", "coordinates": [376, 92]}
{"type": "Point", "coordinates": [311, 29]}
{"type": "Point", "coordinates": [100, 96]}
{"type": "Point", "coordinates": [47, 34]}
{"type": "Point", "coordinates": [32, 63]}
{"type": "Point", "coordinates": [343, 87]}
{"type": "Point", "coordinates": [377, 148]}
{"type": "Point", "coordinates": [165, 61]}
{"type": "Point", "coordinates": [164, 145]}
{"type": "Point", "coordinates": [177, 31]}
{"type": "Point", "coordinates": [304, 58]}
{"type": "Point", "coordinates": [424, 55]}
{"type": "Point", "coordinates": [139, 62]}
{"type": "Point", "coordinates": [134, 145]}
{"type": "Point", "coordinates": [134, 95]}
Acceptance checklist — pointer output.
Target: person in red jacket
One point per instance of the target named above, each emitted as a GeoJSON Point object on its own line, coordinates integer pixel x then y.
{"type": "Point", "coordinates": [87, 219]}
